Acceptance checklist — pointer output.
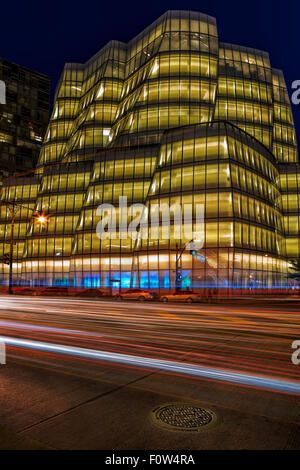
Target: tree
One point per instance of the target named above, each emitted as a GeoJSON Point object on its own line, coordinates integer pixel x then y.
{"type": "Point", "coordinates": [294, 269]}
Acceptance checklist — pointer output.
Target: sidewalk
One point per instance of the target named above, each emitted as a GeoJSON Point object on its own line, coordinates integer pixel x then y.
{"type": "Point", "coordinates": [12, 441]}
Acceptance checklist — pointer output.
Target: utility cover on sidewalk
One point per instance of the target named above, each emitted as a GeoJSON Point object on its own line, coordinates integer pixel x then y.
{"type": "Point", "coordinates": [184, 417]}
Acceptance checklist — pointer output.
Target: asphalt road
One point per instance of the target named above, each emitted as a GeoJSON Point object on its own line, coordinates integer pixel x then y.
{"type": "Point", "coordinates": [86, 374]}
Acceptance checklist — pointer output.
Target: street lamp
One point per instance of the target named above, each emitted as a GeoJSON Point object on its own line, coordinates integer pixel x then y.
{"type": "Point", "coordinates": [13, 207]}
{"type": "Point", "coordinates": [41, 218]}
{"type": "Point", "coordinates": [179, 254]}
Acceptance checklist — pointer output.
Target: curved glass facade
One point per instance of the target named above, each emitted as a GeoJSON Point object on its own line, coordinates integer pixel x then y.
{"type": "Point", "coordinates": [172, 119]}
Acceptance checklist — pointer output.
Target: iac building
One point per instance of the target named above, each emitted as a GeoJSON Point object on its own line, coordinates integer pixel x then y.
{"type": "Point", "coordinates": [174, 116]}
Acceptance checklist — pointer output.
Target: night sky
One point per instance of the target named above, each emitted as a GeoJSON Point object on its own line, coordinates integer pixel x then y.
{"type": "Point", "coordinates": [44, 35]}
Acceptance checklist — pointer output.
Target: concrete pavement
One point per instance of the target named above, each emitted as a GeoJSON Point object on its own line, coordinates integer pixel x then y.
{"type": "Point", "coordinates": [59, 402]}
{"type": "Point", "coordinates": [52, 409]}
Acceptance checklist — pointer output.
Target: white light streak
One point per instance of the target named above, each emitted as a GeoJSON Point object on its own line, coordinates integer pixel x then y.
{"type": "Point", "coordinates": [195, 370]}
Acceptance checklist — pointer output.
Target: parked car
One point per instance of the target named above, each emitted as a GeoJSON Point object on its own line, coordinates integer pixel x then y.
{"type": "Point", "coordinates": [90, 292]}
{"type": "Point", "coordinates": [24, 290]}
{"type": "Point", "coordinates": [181, 296]}
{"type": "Point", "coordinates": [53, 290]}
{"type": "Point", "coordinates": [135, 294]}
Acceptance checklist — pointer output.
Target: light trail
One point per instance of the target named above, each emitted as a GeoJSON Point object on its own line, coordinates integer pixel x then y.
{"type": "Point", "coordinates": [212, 373]}
{"type": "Point", "coordinates": [47, 329]}
{"type": "Point", "coordinates": [229, 339]}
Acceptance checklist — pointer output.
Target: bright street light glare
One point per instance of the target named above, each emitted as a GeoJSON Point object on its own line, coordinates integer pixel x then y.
{"type": "Point", "coordinates": [41, 218]}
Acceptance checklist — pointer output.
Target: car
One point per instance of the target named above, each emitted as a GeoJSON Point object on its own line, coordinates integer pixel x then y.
{"type": "Point", "coordinates": [135, 294]}
{"type": "Point", "coordinates": [52, 290]}
{"type": "Point", "coordinates": [90, 292]}
{"type": "Point", "coordinates": [24, 290]}
{"type": "Point", "coordinates": [187, 296]}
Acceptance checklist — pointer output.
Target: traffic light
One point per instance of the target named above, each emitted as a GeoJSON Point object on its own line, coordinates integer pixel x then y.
{"type": "Point", "coordinates": [6, 258]}
{"type": "Point", "coordinates": [197, 254]}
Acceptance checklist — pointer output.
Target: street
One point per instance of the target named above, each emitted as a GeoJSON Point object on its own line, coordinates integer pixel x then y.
{"type": "Point", "coordinates": [87, 374]}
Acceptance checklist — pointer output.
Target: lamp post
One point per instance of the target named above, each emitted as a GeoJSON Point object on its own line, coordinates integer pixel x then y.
{"type": "Point", "coordinates": [13, 211]}
{"type": "Point", "coordinates": [178, 258]}
{"type": "Point", "coordinates": [13, 207]}
{"type": "Point", "coordinates": [194, 250]}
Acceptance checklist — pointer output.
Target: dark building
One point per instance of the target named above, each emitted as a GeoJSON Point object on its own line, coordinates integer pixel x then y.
{"type": "Point", "coordinates": [23, 117]}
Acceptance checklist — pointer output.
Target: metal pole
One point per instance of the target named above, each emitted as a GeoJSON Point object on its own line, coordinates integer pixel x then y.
{"type": "Point", "coordinates": [176, 269]}
{"type": "Point", "coordinates": [11, 251]}
{"type": "Point", "coordinates": [178, 258]}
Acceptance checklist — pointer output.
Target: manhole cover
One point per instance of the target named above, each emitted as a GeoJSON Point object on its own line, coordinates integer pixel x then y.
{"type": "Point", "coordinates": [184, 417]}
